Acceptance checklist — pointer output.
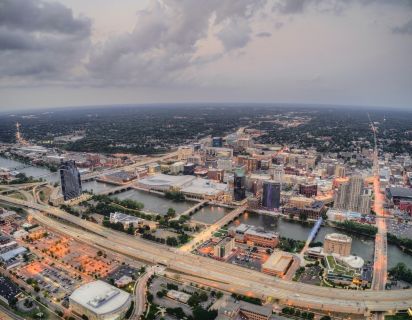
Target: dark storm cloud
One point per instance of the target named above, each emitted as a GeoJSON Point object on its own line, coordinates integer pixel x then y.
{"type": "Point", "coordinates": [40, 39]}
{"type": "Point", "coordinates": [34, 15]}
{"type": "Point", "coordinates": [404, 29]}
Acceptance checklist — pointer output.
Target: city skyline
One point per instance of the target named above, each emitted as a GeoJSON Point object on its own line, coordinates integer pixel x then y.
{"type": "Point", "coordinates": [69, 53]}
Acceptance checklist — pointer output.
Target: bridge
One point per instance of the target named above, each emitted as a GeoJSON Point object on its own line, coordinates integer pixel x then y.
{"type": "Point", "coordinates": [208, 232]}
{"type": "Point", "coordinates": [312, 235]}
{"type": "Point", "coordinates": [219, 275]}
{"type": "Point", "coordinates": [93, 175]}
{"type": "Point", "coordinates": [115, 190]}
{"type": "Point", "coordinates": [191, 210]}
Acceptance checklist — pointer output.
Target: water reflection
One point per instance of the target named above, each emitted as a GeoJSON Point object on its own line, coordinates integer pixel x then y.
{"type": "Point", "coordinates": [361, 246]}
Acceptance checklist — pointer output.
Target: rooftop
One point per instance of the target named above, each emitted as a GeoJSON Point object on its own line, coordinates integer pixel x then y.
{"type": "Point", "coordinates": [100, 297]}
{"type": "Point", "coordinates": [338, 237]}
{"type": "Point", "coordinates": [278, 261]}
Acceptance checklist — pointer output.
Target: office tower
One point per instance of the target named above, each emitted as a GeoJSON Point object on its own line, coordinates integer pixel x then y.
{"type": "Point", "coordinates": [239, 189]}
{"type": "Point", "coordinates": [271, 195]}
{"type": "Point", "coordinates": [340, 171]}
{"type": "Point", "coordinates": [341, 196]}
{"type": "Point", "coordinates": [217, 142]}
{"type": "Point", "coordinates": [355, 191]}
{"type": "Point", "coordinates": [365, 201]}
{"type": "Point", "coordinates": [308, 190]}
{"type": "Point", "coordinates": [352, 196]}
{"type": "Point", "coordinates": [277, 172]}
{"type": "Point", "coordinates": [70, 180]}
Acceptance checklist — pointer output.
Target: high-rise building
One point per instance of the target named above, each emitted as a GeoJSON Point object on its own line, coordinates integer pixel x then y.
{"type": "Point", "coordinates": [277, 172]}
{"type": "Point", "coordinates": [355, 191]}
{"type": "Point", "coordinates": [271, 195]}
{"type": "Point", "coordinates": [365, 201]}
{"type": "Point", "coordinates": [352, 196]}
{"type": "Point", "coordinates": [217, 142]}
{"type": "Point", "coordinates": [70, 180]}
{"type": "Point", "coordinates": [340, 171]}
{"type": "Point", "coordinates": [239, 188]}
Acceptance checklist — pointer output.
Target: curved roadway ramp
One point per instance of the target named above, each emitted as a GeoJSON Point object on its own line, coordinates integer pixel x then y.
{"type": "Point", "coordinates": [221, 275]}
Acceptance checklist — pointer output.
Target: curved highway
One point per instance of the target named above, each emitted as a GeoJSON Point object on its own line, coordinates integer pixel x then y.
{"type": "Point", "coordinates": [222, 275]}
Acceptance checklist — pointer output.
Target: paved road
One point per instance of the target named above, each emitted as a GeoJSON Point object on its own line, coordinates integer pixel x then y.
{"type": "Point", "coordinates": [140, 291]}
{"type": "Point", "coordinates": [380, 265]}
{"type": "Point", "coordinates": [133, 166]}
{"type": "Point", "coordinates": [221, 275]}
{"type": "Point", "coordinates": [6, 314]}
{"type": "Point", "coordinates": [209, 231]}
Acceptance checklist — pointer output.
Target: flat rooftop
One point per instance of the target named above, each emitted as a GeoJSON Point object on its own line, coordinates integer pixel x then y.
{"type": "Point", "coordinates": [278, 261]}
{"type": "Point", "coordinates": [100, 297]}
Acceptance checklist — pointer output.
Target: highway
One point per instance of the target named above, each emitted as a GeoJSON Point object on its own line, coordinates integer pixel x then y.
{"type": "Point", "coordinates": [221, 275]}
{"type": "Point", "coordinates": [133, 166]}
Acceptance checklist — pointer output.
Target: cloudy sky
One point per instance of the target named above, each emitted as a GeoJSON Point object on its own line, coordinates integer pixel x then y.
{"type": "Point", "coordinates": [92, 52]}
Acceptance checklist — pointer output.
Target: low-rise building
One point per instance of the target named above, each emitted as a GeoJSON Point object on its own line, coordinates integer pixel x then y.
{"type": "Point", "coordinates": [337, 243]}
{"type": "Point", "coordinates": [278, 263]}
{"type": "Point", "coordinates": [254, 236]}
{"type": "Point", "coordinates": [224, 247]}
{"type": "Point", "coordinates": [178, 296]}
{"type": "Point", "coordinates": [99, 300]}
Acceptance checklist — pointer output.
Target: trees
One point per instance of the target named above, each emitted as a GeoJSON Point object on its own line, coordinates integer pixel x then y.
{"type": "Point", "coordinates": [171, 213]}
{"type": "Point", "coordinates": [401, 272]}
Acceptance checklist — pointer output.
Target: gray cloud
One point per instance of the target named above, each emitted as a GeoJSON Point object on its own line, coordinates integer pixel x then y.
{"type": "Point", "coordinates": [263, 34]}
{"type": "Point", "coordinates": [335, 6]}
{"type": "Point", "coordinates": [163, 44]}
{"type": "Point", "coordinates": [404, 29]}
{"type": "Point", "coordinates": [40, 39]}
{"type": "Point", "coordinates": [43, 16]}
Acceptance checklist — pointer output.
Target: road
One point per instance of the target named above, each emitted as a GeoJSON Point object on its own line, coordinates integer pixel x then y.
{"type": "Point", "coordinates": [209, 231]}
{"type": "Point", "coordinates": [6, 314]}
{"type": "Point", "coordinates": [133, 166]}
{"type": "Point", "coordinates": [140, 291]}
{"type": "Point", "coordinates": [380, 266]}
{"type": "Point", "coordinates": [219, 275]}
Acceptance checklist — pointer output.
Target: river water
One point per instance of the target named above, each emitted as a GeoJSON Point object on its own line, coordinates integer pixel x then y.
{"type": "Point", "coordinates": [30, 171]}
{"type": "Point", "coordinates": [159, 204]}
{"type": "Point", "coordinates": [361, 246]}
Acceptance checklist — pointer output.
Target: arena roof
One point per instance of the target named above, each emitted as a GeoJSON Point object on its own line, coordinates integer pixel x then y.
{"type": "Point", "coordinates": [100, 297]}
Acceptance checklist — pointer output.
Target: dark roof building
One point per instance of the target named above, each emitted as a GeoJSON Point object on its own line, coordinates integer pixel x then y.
{"type": "Point", "coordinates": [396, 194]}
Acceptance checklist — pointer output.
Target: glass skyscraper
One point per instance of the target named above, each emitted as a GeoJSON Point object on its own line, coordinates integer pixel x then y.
{"type": "Point", "coordinates": [70, 180]}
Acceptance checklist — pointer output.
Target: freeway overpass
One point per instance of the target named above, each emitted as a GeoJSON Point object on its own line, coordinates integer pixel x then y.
{"type": "Point", "coordinates": [221, 275]}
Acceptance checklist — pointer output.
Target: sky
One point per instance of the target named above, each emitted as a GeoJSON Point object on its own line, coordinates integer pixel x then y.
{"type": "Point", "coordinates": [99, 52]}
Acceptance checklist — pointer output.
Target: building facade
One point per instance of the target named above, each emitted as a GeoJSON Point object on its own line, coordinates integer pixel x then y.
{"type": "Point", "coordinates": [271, 195]}
{"type": "Point", "coordinates": [337, 243]}
{"type": "Point", "coordinates": [70, 180]}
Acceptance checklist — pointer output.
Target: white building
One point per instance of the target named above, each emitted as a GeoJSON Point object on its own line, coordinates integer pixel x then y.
{"type": "Point", "coordinates": [99, 300]}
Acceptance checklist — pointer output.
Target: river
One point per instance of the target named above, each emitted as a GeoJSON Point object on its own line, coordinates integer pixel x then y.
{"type": "Point", "coordinates": [361, 246]}
{"type": "Point", "coordinates": [30, 171]}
